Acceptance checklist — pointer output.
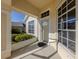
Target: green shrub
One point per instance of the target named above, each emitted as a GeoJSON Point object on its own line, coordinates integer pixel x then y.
{"type": "Point", "coordinates": [29, 36]}
{"type": "Point", "coordinates": [18, 38]}
{"type": "Point", "coordinates": [13, 37]}
{"type": "Point", "coordinates": [22, 37]}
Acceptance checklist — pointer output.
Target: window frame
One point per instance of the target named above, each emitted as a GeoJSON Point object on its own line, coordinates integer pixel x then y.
{"type": "Point", "coordinates": [32, 27]}
{"type": "Point", "coordinates": [66, 13]}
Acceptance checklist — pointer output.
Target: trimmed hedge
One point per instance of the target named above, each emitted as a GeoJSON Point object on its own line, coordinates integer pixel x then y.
{"type": "Point", "coordinates": [13, 37]}
{"type": "Point", "coordinates": [21, 37]}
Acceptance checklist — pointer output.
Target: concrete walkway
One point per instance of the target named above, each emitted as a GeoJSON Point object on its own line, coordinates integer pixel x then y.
{"type": "Point", "coordinates": [35, 52]}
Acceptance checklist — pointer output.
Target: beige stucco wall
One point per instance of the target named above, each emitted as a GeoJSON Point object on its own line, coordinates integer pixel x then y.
{"type": "Point", "coordinates": [53, 17]}
{"type": "Point", "coordinates": [5, 30]}
{"type": "Point", "coordinates": [67, 53]}
{"type": "Point", "coordinates": [3, 45]}
{"type": "Point", "coordinates": [64, 52]}
{"type": "Point", "coordinates": [52, 20]}
{"type": "Point", "coordinates": [53, 28]}
{"type": "Point", "coordinates": [35, 11]}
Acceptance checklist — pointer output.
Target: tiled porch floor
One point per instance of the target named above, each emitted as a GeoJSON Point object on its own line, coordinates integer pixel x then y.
{"type": "Point", "coordinates": [35, 52]}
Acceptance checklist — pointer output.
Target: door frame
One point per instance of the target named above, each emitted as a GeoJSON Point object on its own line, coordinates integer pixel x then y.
{"type": "Point", "coordinates": [41, 35]}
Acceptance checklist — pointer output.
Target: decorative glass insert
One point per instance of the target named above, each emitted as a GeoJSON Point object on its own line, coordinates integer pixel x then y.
{"type": "Point", "coordinates": [45, 14]}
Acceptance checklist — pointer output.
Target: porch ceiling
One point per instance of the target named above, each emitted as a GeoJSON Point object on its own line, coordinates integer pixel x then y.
{"type": "Point", "coordinates": [40, 3]}
{"type": "Point", "coordinates": [32, 6]}
{"type": "Point", "coordinates": [24, 5]}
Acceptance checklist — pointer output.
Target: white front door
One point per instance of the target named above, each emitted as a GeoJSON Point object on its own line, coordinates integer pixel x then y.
{"type": "Point", "coordinates": [45, 30]}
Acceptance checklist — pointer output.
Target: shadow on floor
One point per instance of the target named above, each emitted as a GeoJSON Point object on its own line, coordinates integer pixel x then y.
{"type": "Point", "coordinates": [44, 56]}
{"type": "Point", "coordinates": [46, 52]}
{"type": "Point", "coordinates": [23, 50]}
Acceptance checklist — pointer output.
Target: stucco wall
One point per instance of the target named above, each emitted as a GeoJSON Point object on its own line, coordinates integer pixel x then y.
{"type": "Point", "coordinates": [53, 20]}
{"type": "Point", "coordinates": [53, 28]}
{"type": "Point", "coordinates": [31, 9]}
{"type": "Point", "coordinates": [64, 52]}
{"type": "Point", "coordinates": [61, 48]}
{"type": "Point", "coordinates": [3, 44]}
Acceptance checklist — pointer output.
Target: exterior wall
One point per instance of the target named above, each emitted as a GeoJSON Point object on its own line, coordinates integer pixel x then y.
{"type": "Point", "coordinates": [67, 53]}
{"type": "Point", "coordinates": [53, 27]}
{"type": "Point", "coordinates": [64, 53]}
{"type": "Point", "coordinates": [35, 27]}
{"type": "Point", "coordinates": [53, 22]}
{"type": "Point", "coordinates": [5, 30]}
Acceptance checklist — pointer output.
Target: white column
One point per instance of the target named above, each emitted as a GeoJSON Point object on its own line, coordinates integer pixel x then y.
{"type": "Point", "coordinates": [5, 30]}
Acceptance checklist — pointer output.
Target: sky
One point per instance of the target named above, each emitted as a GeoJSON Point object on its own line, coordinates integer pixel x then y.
{"type": "Point", "coordinates": [17, 16]}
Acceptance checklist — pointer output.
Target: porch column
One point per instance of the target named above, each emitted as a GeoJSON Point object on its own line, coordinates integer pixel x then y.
{"type": "Point", "coordinates": [5, 29]}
